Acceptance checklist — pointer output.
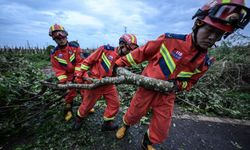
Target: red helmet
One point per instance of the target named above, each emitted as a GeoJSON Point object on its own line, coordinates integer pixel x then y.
{"type": "Point", "coordinates": [57, 27]}
{"type": "Point", "coordinates": [226, 15]}
{"type": "Point", "coordinates": [129, 39]}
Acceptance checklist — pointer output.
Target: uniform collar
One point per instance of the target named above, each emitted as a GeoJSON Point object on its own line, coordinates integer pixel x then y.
{"type": "Point", "coordinates": [63, 47]}
{"type": "Point", "coordinates": [116, 52]}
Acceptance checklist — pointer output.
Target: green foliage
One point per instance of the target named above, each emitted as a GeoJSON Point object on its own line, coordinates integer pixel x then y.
{"type": "Point", "coordinates": [49, 49]}
{"type": "Point", "coordinates": [220, 92]}
{"type": "Point", "coordinates": [236, 54]}
{"type": "Point", "coordinates": [19, 82]}
{"type": "Point", "coordinates": [17, 74]}
{"type": "Point", "coordinates": [217, 93]}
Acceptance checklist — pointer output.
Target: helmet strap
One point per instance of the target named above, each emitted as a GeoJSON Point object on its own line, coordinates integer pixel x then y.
{"type": "Point", "coordinates": [226, 35]}
{"type": "Point", "coordinates": [198, 23]}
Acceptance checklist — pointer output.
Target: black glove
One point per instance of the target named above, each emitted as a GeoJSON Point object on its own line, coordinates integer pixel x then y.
{"type": "Point", "coordinates": [114, 70]}
{"type": "Point", "coordinates": [175, 87]}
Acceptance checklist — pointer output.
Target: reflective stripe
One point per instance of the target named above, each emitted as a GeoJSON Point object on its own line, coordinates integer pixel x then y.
{"type": "Point", "coordinates": [184, 84]}
{"type": "Point", "coordinates": [72, 57]}
{"type": "Point", "coordinates": [84, 67]}
{"type": "Point", "coordinates": [167, 57]}
{"type": "Point", "coordinates": [106, 61]}
{"type": "Point", "coordinates": [226, 1]}
{"type": "Point", "coordinates": [184, 74]}
{"type": "Point", "coordinates": [197, 71]}
{"type": "Point", "coordinates": [243, 11]}
{"type": "Point", "coordinates": [130, 59]}
{"type": "Point", "coordinates": [63, 61]}
{"type": "Point", "coordinates": [164, 67]}
{"type": "Point", "coordinates": [108, 119]}
{"type": "Point", "coordinates": [78, 68]}
{"type": "Point", "coordinates": [61, 27]}
{"type": "Point", "coordinates": [133, 38]}
{"type": "Point", "coordinates": [61, 77]}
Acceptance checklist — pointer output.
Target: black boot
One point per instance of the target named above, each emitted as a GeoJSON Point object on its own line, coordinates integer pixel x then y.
{"type": "Point", "coordinates": [77, 123]}
{"type": "Point", "coordinates": [109, 126]}
{"type": "Point", "coordinates": [146, 144]}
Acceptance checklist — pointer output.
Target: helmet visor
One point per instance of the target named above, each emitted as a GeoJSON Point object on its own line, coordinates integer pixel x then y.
{"type": "Point", "coordinates": [59, 35]}
{"type": "Point", "coordinates": [132, 46]}
{"type": "Point", "coordinates": [231, 14]}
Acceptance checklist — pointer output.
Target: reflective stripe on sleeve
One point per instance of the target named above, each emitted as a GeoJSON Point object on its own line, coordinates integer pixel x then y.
{"type": "Point", "coordinates": [78, 68]}
{"type": "Point", "coordinates": [130, 59]}
{"type": "Point", "coordinates": [184, 84]}
{"type": "Point", "coordinates": [84, 67]}
{"type": "Point", "coordinates": [61, 77]}
{"type": "Point", "coordinates": [184, 74]}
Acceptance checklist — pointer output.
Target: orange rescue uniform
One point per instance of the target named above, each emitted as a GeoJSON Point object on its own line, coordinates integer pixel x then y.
{"type": "Point", "coordinates": [65, 62]}
{"type": "Point", "coordinates": [98, 65]}
{"type": "Point", "coordinates": [171, 57]}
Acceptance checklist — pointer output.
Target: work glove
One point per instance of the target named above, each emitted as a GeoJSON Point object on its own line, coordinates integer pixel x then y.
{"type": "Point", "coordinates": [64, 82]}
{"type": "Point", "coordinates": [176, 86]}
{"type": "Point", "coordinates": [114, 70]}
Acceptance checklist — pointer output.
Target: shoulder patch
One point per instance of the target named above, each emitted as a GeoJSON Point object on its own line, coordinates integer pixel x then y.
{"type": "Point", "coordinates": [108, 47]}
{"type": "Point", "coordinates": [209, 60]}
{"type": "Point", "coordinates": [74, 44]}
{"type": "Point", "coordinates": [54, 50]}
{"type": "Point", "coordinates": [176, 36]}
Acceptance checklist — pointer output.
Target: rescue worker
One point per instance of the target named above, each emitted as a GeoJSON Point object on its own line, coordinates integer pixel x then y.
{"type": "Point", "coordinates": [99, 65]}
{"type": "Point", "coordinates": [181, 59]}
{"type": "Point", "coordinates": [66, 61]}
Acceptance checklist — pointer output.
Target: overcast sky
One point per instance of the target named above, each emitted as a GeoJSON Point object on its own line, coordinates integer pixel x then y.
{"type": "Point", "coordinates": [94, 22]}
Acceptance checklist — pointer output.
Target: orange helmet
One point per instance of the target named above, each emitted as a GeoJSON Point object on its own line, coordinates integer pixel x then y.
{"type": "Point", "coordinates": [57, 27]}
{"type": "Point", "coordinates": [129, 39]}
{"type": "Point", "coordinates": [226, 15]}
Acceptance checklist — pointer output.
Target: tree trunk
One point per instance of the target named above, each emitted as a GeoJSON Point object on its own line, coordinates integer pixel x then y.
{"type": "Point", "coordinates": [123, 77]}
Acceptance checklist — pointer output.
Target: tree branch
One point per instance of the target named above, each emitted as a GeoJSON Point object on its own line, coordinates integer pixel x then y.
{"type": "Point", "coordinates": [124, 77]}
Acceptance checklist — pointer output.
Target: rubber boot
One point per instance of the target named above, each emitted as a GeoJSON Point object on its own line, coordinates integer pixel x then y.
{"type": "Point", "coordinates": [109, 126]}
{"type": "Point", "coordinates": [77, 123]}
{"type": "Point", "coordinates": [121, 131]}
{"type": "Point", "coordinates": [146, 144]}
{"type": "Point", "coordinates": [68, 112]}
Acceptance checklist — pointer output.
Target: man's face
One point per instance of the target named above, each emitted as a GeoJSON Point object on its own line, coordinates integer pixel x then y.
{"type": "Point", "coordinates": [207, 36]}
{"type": "Point", "coordinates": [124, 49]}
{"type": "Point", "coordinates": [60, 38]}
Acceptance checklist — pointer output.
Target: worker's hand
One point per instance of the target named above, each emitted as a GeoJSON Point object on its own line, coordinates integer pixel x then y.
{"type": "Point", "coordinates": [114, 70]}
{"type": "Point", "coordinates": [64, 82]}
{"type": "Point", "coordinates": [69, 82]}
{"type": "Point", "coordinates": [176, 86]}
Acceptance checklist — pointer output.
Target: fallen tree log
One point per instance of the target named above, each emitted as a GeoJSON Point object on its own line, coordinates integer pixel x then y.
{"type": "Point", "coordinates": [123, 77]}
